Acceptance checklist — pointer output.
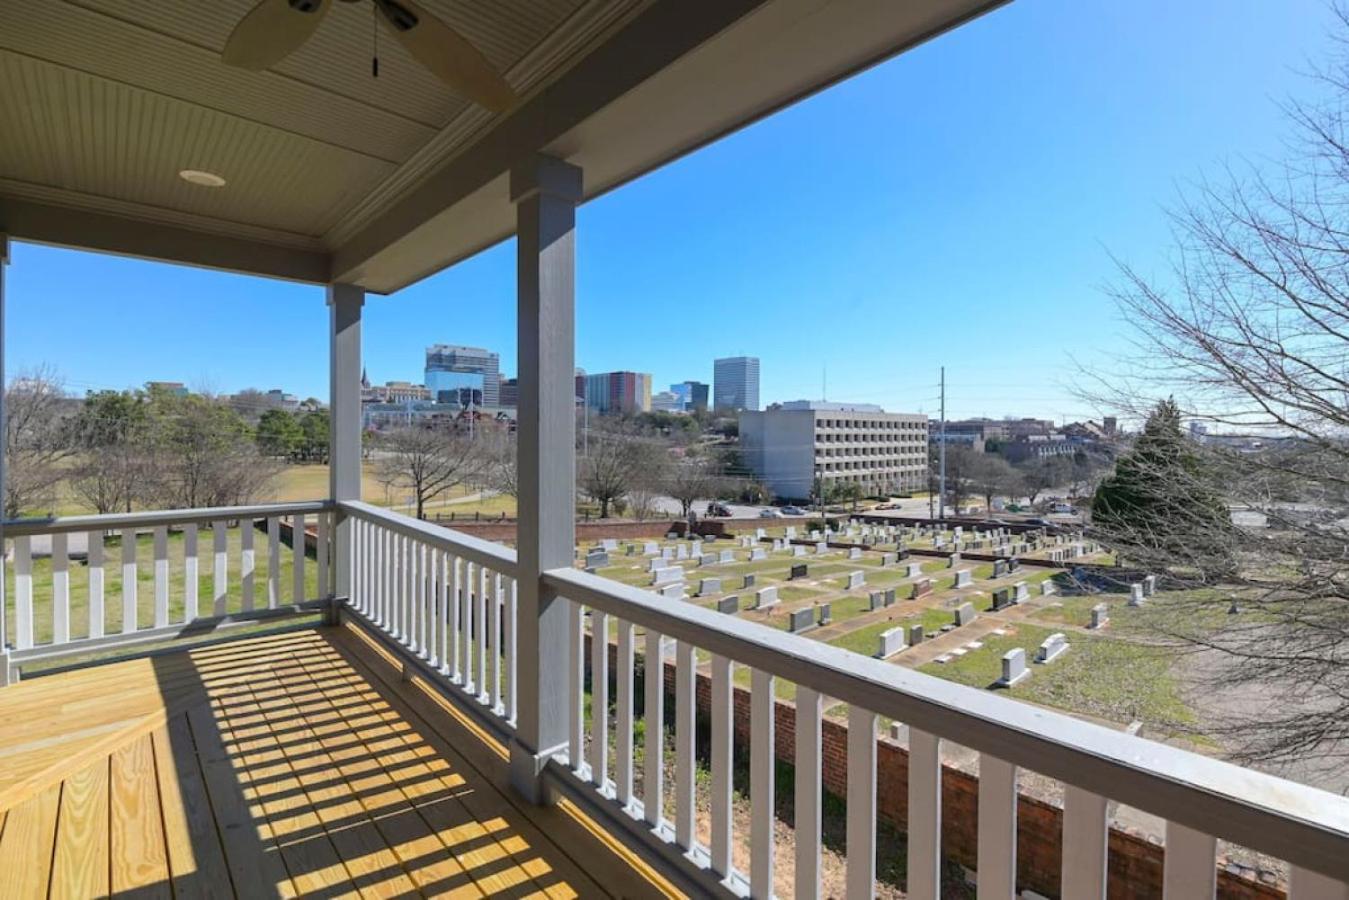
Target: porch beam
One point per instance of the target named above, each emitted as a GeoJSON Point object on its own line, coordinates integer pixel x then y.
{"type": "Point", "coordinates": [344, 427]}
{"type": "Point", "coordinates": [545, 192]}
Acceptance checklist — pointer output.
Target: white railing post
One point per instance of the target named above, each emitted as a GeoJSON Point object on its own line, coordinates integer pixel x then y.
{"type": "Point", "coordinates": [545, 192]}
{"type": "Point", "coordinates": [5, 675]}
{"type": "Point", "coordinates": [344, 429]}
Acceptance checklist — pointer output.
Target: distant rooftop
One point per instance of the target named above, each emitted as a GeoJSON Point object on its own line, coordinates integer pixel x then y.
{"type": "Point", "coordinates": [830, 406]}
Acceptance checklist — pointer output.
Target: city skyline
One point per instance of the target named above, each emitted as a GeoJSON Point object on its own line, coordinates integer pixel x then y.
{"type": "Point", "coordinates": [932, 201]}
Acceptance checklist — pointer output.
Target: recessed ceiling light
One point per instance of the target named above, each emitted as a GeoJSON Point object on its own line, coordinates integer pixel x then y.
{"type": "Point", "coordinates": [202, 179]}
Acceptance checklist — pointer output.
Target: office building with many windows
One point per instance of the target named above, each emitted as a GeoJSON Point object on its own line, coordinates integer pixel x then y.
{"type": "Point", "coordinates": [463, 375]}
{"type": "Point", "coordinates": [735, 383]}
{"type": "Point", "coordinates": [622, 392]}
{"type": "Point", "coordinates": [789, 445]}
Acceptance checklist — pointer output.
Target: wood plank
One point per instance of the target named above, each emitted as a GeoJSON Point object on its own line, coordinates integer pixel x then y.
{"type": "Point", "coordinates": [80, 866]}
{"type": "Point", "coordinates": [196, 860]}
{"type": "Point", "coordinates": [139, 860]}
{"type": "Point", "coordinates": [251, 853]}
{"type": "Point", "coordinates": [26, 845]}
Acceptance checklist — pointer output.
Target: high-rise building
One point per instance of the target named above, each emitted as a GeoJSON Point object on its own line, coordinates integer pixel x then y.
{"type": "Point", "coordinates": [692, 395]}
{"type": "Point", "coordinates": [618, 392]}
{"type": "Point", "coordinates": [510, 393]}
{"type": "Point", "coordinates": [463, 375]}
{"type": "Point", "coordinates": [735, 383]}
{"type": "Point", "coordinates": [789, 445]}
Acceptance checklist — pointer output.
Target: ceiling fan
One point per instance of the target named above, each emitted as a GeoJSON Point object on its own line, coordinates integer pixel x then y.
{"type": "Point", "coordinates": [275, 28]}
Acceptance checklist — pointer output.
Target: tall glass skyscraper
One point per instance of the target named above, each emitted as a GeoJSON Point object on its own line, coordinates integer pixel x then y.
{"type": "Point", "coordinates": [735, 383]}
{"type": "Point", "coordinates": [463, 375]}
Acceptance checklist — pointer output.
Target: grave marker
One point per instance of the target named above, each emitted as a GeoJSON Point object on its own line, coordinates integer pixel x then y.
{"type": "Point", "coordinates": [890, 642]}
{"type": "Point", "coordinates": [826, 613]}
{"type": "Point", "coordinates": [765, 597]}
{"type": "Point", "coordinates": [749, 581]}
{"type": "Point", "coordinates": [1135, 594]}
{"type": "Point", "coordinates": [915, 634]}
{"type": "Point", "coordinates": [709, 586]}
{"type": "Point", "coordinates": [964, 614]}
{"type": "Point", "coordinates": [728, 605]}
{"type": "Point", "coordinates": [1022, 592]}
{"type": "Point", "coordinates": [964, 578]}
{"type": "Point", "coordinates": [1013, 667]}
{"type": "Point", "coordinates": [667, 575]}
{"type": "Point", "coordinates": [1051, 648]}
{"type": "Point", "coordinates": [856, 580]}
{"type": "Point", "coordinates": [914, 570]}
{"type": "Point", "coordinates": [1100, 616]}
{"type": "Point", "coordinates": [921, 588]}
{"type": "Point", "coordinates": [673, 591]}
{"type": "Point", "coordinates": [799, 570]}
{"type": "Point", "coordinates": [801, 620]}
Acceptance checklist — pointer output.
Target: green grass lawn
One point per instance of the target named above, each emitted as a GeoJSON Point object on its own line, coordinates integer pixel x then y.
{"type": "Point", "coordinates": [863, 640]}
{"type": "Point", "coordinates": [145, 583]}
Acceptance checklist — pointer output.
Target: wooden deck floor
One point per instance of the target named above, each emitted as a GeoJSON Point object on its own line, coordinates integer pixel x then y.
{"type": "Point", "coordinates": [289, 765]}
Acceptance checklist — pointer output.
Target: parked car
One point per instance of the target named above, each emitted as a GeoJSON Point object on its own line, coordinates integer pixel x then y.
{"type": "Point", "coordinates": [719, 510]}
{"type": "Point", "coordinates": [770, 514]}
{"type": "Point", "coordinates": [793, 511]}
{"type": "Point", "coordinates": [1063, 509]}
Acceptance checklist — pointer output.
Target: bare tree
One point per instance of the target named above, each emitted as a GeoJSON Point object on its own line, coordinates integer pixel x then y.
{"type": "Point", "coordinates": [36, 440]}
{"type": "Point", "coordinates": [693, 478]}
{"type": "Point", "coordinates": [113, 478]}
{"type": "Point", "coordinates": [991, 476]}
{"type": "Point", "coordinates": [502, 471]}
{"type": "Point", "coordinates": [1250, 333]}
{"type": "Point", "coordinates": [426, 462]}
{"type": "Point", "coordinates": [1040, 474]}
{"type": "Point", "coordinates": [617, 458]}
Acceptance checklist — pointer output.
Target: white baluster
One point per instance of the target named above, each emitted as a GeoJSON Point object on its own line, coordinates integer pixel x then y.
{"type": "Point", "coordinates": [762, 750]}
{"type": "Point", "coordinates": [997, 828]}
{"type": "Point", "coordinates": [191, 574]}
{"type": "Point", "coordinates": [128, 580]}
{"type": "Point", "coordinates": [508, 638]}
{"type": "Point", "coordinates": [686, 721]}
{"type": "Point", "coordinates": [480, 623]}
{"type": "Point", "coordinates": [808, 792]}
{"type": "Point", "coordinates": [247, 564]}
{"type": "Point", "coordinates": [861, 824]}
{"type": "Point", "coordinates": [599, 699]}
{"type": "Point", "coordinates": [325, 588]}
{"type": "Point", "coordinates": [924, 815]}
{"type": "Point", "coordinates": [457, 624]}
{"type": "Point", "coordinates": [623, 753]}
{"type": "Point", "coordinates": [1084, 843]}
{"type": "Point", "coordinates": [466, 625]}
{"type": "Point", "coordinates": [495, 600]}
{"type": "Point", "coordinates": [273, 562]}
{"type": "Point", "coordinates": [60, 588]}
{"type": "Point", "coordinates": [1190, 871]}
{"type": "Point", "coordinates": [435, 612]}
{"type": "Point", "coordinates": [576, 674]}
{"type": "Point", "coordinates": [161, 548]}
{"type": "Point", "coordinates": [723, 739]}
{"type": "Point", "coordinates": [297, 541]}
{"type": "Point", "coordinates": [653, 761]}
{"type": "Point", "coordinates": [96, 582]}
{"type": "Point", "coordinates": [23, 592]}
{"type": "Point", "coordinates": [220, 573]}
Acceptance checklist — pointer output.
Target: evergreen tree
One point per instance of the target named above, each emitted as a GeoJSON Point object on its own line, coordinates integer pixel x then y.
{"type": "Point", "coordinates": [1161, 506]}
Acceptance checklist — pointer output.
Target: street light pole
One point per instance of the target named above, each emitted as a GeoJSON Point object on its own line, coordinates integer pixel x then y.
{"type": "Point", "coordinates": [941, 497]}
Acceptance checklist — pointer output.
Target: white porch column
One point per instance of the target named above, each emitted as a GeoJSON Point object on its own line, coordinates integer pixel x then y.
{"type": "Point", "coordinates": [344, 427]}
{"type": "Point", "coordinates": [4, 636]}
{"type": "Point", "coordinates": [545, 192]}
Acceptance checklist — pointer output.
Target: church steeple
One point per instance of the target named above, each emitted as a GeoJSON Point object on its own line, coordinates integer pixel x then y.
{"type": "Point", "coordinates": [365, 379]}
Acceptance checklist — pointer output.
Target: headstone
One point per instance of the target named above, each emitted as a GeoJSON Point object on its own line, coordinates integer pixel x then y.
{"type": "Point", "coordinates": [1022, 592]}
{"type": "Point", "coordinates": [889, 559]}
{"type": "Point", "coordinates": [668, 552]}
{"type": "Point", "coordinates": [609, 545]}
{"type": "Point", "coordinates": [999, 568]}
{"type": "Point", "coordinates": [1013, 565]}
{"type": "Point", "coordinates": [821, 547]}
{"type": "Point", "coordinates": [799, 570]}
{"type": "Point", "coordinates": [650, 548]}
{"type": "Point", "coordinates": [964, 578]}
{"type": "Point", "coordinates": [914, 570]}
{"type": "Point", "coordinates": [667, 575]}
{"type": "Point", "coordinates": [890, 642]}
{"type": "Point", "coordinates": [826, 613]}
{"type": "Point", "coordinates": [728, 605]}
{"type": "Point", "coordinates": [1047, 587]}
{"type": "Point", "coordinates": [726, 556]}
{"type": "Point", "coordinates": [778, 544]}
{"type": "Point", "coordinates": [964, 614]}
{"type": "Point", "coordinates": [681, 552]}
{"type": "Point", "coordinates": [765, 597]}
{"type": "Point", "coordinates": [889, 596]}
{"type": "Point", "coordinates": [953, 560]}
{"type": "Point", "coordinates": [746, 542]}
{"type": "Point", "coordinates": [631, 550]}
{"type": "Point", "coordinates": [877, 599]}
{"type": "Point", "coordinates": [757, 554]}
{"type": "Point", "coordinates": [1013, 667]}
{"type": "Point", "coordinates": [856, 580]}
{"type": "Point", "coordinates": [791, 532]}
{"type": "Point", "coordinates": [1002, 598]}
{"type": "Point", "coordinates": [655, 563]}
{"type": "Point", "coordinates": [1100, 616]}
{"type": "Point", "coordinates": [1052, 647]}
{"type": "Point", "coordinates": [801, 620]}
{"type": "Point", "coordinates": [1149, 585]}
{"type": "Point", "coordinates": [1136, 594]}
{"type": "Point", "coordinates": [760, 533]}
{"type": "Point", "coordinates": [597, 559]}
{"type": "Point", "coordinates": [673, 591]}
{"type": "Point", "coordinates": [854, 553]}
{"type": "Point", "coordinates": [921, 588]}
{"type": "Point", "coordinates": [915, 634]}
{"type": "Point", "coordinates": [749, 581]}
{"type": "Point", "coordinates": [798, 550]}
{"type": "Point", "coordinates": [709, 586]}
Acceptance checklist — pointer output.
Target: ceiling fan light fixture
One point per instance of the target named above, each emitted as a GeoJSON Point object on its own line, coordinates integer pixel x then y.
{"type": "Point", "coordinates": [202, 178]}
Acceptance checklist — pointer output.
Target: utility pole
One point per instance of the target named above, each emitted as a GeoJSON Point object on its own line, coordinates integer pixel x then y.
{"type": "Point", "coordinates": [941, 497]}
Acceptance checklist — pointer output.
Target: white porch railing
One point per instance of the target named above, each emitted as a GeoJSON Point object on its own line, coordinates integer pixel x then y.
{"type": "Point", "coordinates": [114, 607]}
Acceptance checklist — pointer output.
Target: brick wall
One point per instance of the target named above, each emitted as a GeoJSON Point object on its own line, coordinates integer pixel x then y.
{"type": "Point", "coordinates": [1134, 863]}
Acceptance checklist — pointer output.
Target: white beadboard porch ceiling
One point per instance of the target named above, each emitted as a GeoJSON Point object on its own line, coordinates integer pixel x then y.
{"type": "Point", "coordinates": [333, 175]}
{"type": "Point", "coordinates": [104, 101]}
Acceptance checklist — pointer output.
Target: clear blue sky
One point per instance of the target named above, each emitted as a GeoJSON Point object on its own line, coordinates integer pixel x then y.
{"type": "Point", "coordinates": [954, 206]}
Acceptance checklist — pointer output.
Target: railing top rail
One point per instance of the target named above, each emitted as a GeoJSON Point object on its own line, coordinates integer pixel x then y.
{"type": "Point", "coordinates": [486, 553]}
{"type": "Point", "coordinates": [151, 518]}
{"type": "Point", "coordinates": [1302, 825]}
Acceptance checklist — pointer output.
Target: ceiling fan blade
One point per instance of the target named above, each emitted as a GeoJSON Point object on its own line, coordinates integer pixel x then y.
{"type": "Point", "coordinates": [448, 54]}
{"type": "Point", "coordinates": [271, 31]}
